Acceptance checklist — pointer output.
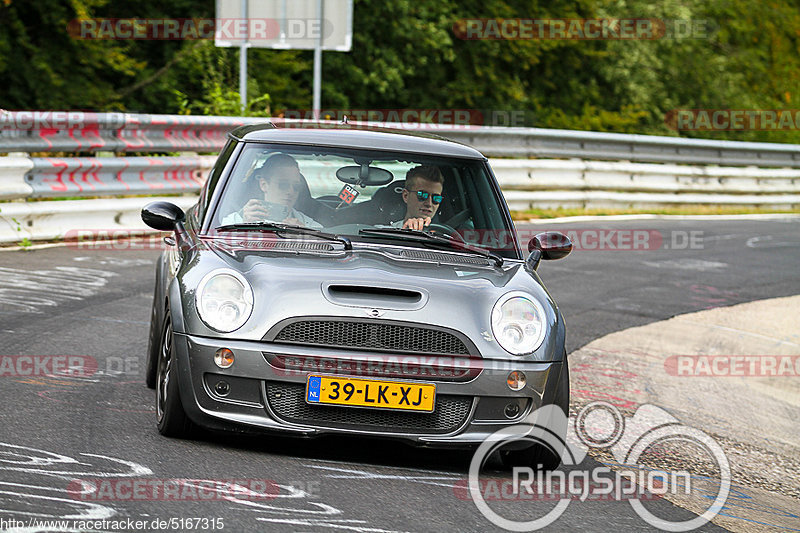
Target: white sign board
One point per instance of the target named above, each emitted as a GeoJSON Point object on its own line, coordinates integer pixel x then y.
{"type": "Point", "coordinates": [285, 24]}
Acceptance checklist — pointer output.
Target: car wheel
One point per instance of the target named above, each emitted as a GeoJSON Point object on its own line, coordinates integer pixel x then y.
{"type": "Point", "coordinates": [153, 351]}
{"type": "Point", "coordinates": [172, 419]}
{"type": "Point", "coordinates": [540, 456]}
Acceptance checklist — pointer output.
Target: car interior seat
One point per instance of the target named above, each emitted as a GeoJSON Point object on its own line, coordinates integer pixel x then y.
{"type": "Point", "coordinates": [389, 203]}
{"type": "Point", "coordinates": [316, 209]}
{"type": "Point", "coordinates": [385, 207]}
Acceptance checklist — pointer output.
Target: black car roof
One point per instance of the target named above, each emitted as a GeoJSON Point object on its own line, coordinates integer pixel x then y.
{"type": "Point", "coordinates": [353, 136]}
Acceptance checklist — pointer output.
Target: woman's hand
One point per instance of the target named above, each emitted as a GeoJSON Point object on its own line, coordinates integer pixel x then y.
{"type": "Point", "coordinates": [254, 211]}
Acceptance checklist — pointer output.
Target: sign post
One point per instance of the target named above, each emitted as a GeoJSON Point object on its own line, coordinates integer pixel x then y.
{"type": "Point", "coordinates": [243, 65]}
{"type": "Point", "coordinates": [285, 25]}
{"type": "Point", "coordinates": [318, 65]}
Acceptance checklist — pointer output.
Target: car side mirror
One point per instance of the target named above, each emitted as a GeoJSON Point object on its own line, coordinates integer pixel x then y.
{"type": "Point", "coordinates": [548, 245]}
{"type": "Point", "coordinates": [164, 216]}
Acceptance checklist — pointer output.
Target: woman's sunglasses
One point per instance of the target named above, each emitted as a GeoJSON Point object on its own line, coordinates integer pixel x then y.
{"type": "Point", "coordinates": [283, 185]}
{"type": "Point", "coordinates": [422, 196]}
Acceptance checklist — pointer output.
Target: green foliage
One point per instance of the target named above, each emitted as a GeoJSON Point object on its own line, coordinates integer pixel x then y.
{"type": "Point", "coordinates": [25, 243]}
{"type": "Point", "coordinates": [42, 67]}
{"type": "Point", "coordinates": [406, 54]}
{"type": "Point", "coordinates": [216, 95]}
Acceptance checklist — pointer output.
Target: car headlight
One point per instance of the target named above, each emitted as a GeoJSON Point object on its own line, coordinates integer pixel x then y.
{"type": "Point", "coordinates": [518, 323]}
{"type": "Point", "coordinates": [224, 300]}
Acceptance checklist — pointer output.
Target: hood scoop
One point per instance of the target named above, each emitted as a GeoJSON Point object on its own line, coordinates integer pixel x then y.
{"type": "Point", "coordinates": [375, 297]}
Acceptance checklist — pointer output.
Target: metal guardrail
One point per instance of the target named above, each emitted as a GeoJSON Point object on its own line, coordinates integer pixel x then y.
{"type": "Point", "coordinates": [72, 131]}
{"type": "Point", "coordinates": [38, 221]}
{"type": "Point", "coordinates": [523, 200]}
{"type": "Point", "coordinates": [643, 171]}
{"type": "Point", "coordinates": [540, 183]}
{"type": "Point", "coordinates": [571, 175]}
{"type": "Point", "coordinates": [535, 142]}
{"type": "Point", "coordinates": [103, 176]}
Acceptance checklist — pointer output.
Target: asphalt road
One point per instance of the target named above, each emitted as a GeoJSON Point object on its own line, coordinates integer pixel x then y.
{"type": "Point", "coordinates": [70, 302]}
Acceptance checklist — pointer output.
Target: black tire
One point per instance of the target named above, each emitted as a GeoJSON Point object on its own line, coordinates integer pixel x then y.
{"type": "Point", "coordinates": [153, 340]}
{"type": "Point", "coordinates": [170, 415]}
{"type": "Point", "coordinates": [540, 456]}
{"type": "Point", "coordinates": [153, 350]}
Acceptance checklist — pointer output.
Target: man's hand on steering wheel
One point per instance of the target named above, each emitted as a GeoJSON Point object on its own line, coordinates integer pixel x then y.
{"type": "Point", "coordinates": [426, 224]}
{"type": "Point", "coordinates": [417, 223]}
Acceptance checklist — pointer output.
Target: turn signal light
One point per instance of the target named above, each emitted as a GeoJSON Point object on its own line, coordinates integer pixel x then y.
{"type": "Point", "coordinates": [516, 380]}
{"type": "Point", "coordinates": [223, 358]}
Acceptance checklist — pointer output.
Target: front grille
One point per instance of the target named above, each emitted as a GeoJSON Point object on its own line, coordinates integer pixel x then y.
{"type": "Point", "coordinates": [372, 336]}
{"type": "Point", "coordinates": [287, 401]}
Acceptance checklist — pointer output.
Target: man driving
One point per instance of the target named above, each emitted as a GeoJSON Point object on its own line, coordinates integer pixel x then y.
{"type": "Point", "coordinates": [422, 196]}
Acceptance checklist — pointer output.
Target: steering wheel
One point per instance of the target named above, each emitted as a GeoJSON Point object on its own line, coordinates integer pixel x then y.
{"type": "Point", "coordinates": [444, 229]}
{"type": "Point", "coordinates": [459, 218]}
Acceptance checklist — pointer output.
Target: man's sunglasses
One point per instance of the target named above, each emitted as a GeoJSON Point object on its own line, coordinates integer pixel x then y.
{"type": "Point", "coordinates": [422, 196]}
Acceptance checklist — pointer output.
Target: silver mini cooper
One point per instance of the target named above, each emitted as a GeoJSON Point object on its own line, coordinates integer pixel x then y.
{"type": "Point", "coordinates": [353, 281]}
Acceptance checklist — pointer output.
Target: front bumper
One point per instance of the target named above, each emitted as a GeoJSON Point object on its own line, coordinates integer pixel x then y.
{"type": "Point", "coordinates": [264, 397]}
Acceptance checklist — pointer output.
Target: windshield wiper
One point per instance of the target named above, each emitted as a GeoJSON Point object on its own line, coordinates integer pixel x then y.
{"type": "Point", "coordinates": [286, 228]}
{"type": "Point", "coordinates": [429, 238]}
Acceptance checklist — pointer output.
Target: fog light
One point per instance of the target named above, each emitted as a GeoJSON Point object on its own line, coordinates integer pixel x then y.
{"type": "Point", "coordinates": [223, 358]}
{"type": "Point", "coordinates": [516, 380]}
{"type": "Point", "coordinates": [222, 388]}
{"type": "Point", "coordinates": [511, 410]}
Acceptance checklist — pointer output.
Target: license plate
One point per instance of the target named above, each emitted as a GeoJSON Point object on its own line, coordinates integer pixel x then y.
{"type": "Point", "coordinates": [400, 395]}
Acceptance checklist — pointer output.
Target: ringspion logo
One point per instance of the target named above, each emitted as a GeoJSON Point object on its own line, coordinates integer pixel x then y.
{"type": "Point", "coordinates": [598, 425]}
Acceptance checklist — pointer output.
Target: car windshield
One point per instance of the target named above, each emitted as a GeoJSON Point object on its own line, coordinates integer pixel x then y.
{"type": "Point", "coordinates": [349, 192]}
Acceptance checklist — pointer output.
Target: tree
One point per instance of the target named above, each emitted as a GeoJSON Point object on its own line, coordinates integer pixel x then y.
{"type": "Point", "coordinates": [412, 54]}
